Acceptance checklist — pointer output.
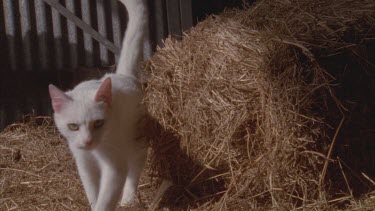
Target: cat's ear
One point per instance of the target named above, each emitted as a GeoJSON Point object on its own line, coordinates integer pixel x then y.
{"type": "Point", "coordinates": [104, 93]}
{"type": "Point", "coordinates": [58, 98]}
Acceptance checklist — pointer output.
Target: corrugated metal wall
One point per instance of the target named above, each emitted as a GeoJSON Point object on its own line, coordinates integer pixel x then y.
{"type": "Point", "coordinates": [44, 41]}
{"type": "Point", "coordinates": [37, 35]}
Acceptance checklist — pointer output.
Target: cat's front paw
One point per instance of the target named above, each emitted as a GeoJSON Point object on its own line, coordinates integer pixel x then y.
{"type": "Point", "coordinates": [128, 199]}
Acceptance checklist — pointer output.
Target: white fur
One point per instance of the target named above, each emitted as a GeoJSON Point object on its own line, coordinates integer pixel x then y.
{"type": "Point", "coordinates": [112, 164]}
{"type": "Point", "coordinates": [134, 37]}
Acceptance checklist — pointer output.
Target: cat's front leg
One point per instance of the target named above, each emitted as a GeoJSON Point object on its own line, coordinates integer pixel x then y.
{"type": "Point", "coordinates": [111, 183]}
{"type": "Point", "coordinates": [135, 167]}
{"type": "Point", "coordinates": [131, 185]}
{"type": "Point", "coordinates": [89, 173]}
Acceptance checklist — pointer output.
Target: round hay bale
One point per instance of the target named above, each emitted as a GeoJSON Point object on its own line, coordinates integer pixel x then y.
{"type": "Point", "coordinates": [237, 107]}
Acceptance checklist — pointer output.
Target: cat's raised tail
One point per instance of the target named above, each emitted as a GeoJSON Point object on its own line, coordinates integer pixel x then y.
{"type": "Point", "coordinates": [132, 46]}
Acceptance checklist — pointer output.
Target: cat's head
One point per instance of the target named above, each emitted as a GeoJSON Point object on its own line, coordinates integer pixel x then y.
{"type": "Point", "coordinates": [80, 115]}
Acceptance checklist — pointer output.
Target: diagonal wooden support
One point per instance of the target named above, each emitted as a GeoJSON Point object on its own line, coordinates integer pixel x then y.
{"type": "Point", "coordinates": [84, 26]}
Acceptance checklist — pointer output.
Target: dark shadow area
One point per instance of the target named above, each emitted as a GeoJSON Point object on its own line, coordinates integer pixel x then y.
{"type": "Point", "coordinates": [24, 86]}
{"type": "Point", "coordinates": [158, 23]}
{"type": "Point", "coordinates": [203, 8]}
{"type": "Point", "coordinates": [25, 92]}
{"type": "Point", "coordinates": [354, 151]}
{"type": "Point", "coordinates": [193, 183]}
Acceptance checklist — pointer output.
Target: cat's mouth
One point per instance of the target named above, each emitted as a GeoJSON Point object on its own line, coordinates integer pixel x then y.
{"type": "Point", "coordinates": [87, 146]}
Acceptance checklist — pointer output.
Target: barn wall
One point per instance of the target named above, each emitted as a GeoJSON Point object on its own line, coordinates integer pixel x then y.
{"type": "Point", "coordinates": [39, 45]}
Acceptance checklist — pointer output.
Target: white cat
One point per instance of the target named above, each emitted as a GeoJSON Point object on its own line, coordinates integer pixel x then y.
{"type": "Point", "coordinates": [99, 120]}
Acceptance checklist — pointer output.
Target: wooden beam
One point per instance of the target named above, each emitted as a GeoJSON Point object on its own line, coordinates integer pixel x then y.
{"type": "Point", "coordinates": [186, 14]}
{"type": "Point", "coordinates": [24, 8]}
{"type": "Point", "coordinates": [72, 35]}
{"type": "Point", "coordinates": [174, 18]}
{"type": "Point", "coordinates": [81, 24]}
{"type": "Point", "coordinates": [102, 26]}
{"type": "Point", "coordinates": [87, 38]}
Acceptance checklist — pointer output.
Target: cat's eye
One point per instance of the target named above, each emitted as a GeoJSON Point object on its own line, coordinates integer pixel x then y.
{"type": "Point", "coordinates": [98, 123]}
{"type": "Point", "coordinates": [73, 127]}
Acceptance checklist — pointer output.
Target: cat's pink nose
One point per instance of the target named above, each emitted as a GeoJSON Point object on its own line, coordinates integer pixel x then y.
{"type": "Point", "coordinates": [88, 142]}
